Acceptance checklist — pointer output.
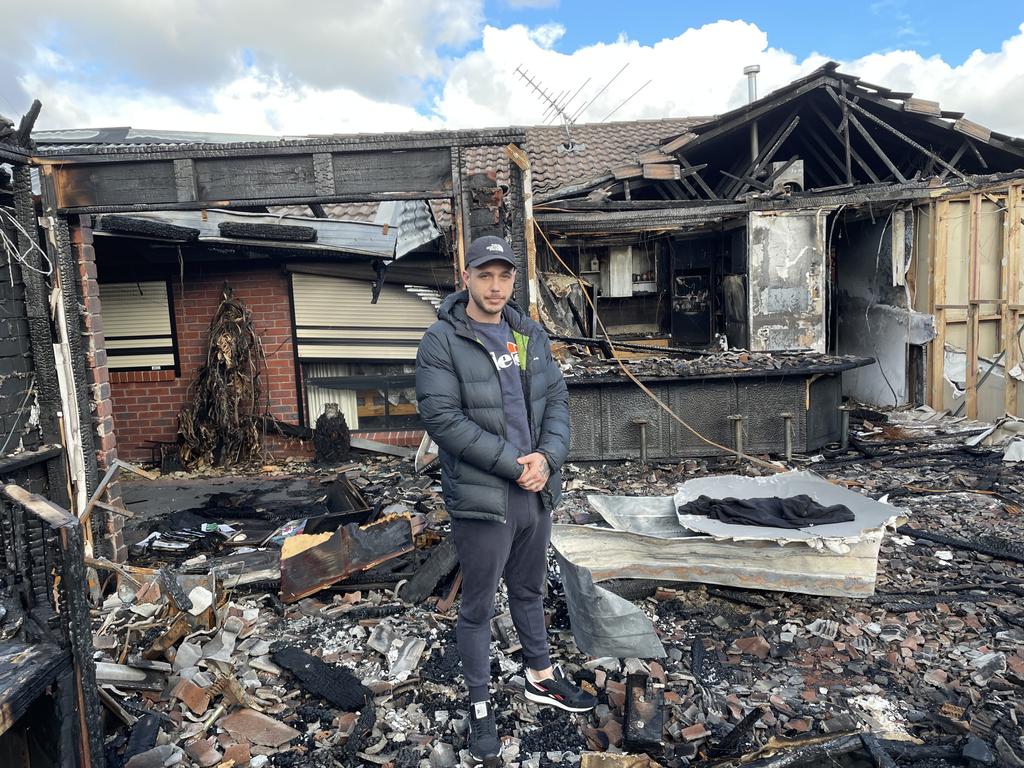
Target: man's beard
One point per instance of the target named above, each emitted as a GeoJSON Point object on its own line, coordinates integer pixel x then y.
{"type": "Point", "coordinates": [484, 307]}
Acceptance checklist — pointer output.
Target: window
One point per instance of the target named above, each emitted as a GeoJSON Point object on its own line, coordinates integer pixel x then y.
{"type": "Point", "coordinates": [372, 396]}
{"type": "Point", "coordinates": [138, 326]}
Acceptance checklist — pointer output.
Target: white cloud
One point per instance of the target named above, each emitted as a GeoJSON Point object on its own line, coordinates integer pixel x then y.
{"type": "Point", "coordinates": [389, 67]}
{"type": "Point", "coordinates": [699, 72]}
{"type": "Point", "coordinates": [255, 104]}
{"type": "Point", "coordinates": [385, 50]}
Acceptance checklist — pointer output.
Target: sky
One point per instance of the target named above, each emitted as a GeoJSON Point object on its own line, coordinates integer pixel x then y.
{"type": "Point", "coordinates": [272, 68]}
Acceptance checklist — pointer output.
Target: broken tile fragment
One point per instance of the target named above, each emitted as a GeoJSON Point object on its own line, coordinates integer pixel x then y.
{"type": "Point", "coordinates": [257, 728]}
{"type": "Point", "coordinates": [194, 697]}
{"type": "Point", "coordinates": [204, 752]}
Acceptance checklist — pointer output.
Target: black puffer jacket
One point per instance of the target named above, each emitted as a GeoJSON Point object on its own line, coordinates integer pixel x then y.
{"type": "Point", "coordinates": [460, 402]}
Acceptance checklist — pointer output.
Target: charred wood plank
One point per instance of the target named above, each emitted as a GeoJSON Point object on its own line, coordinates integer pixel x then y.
{"type": "Point", "coordinates": [25, 673]}
{"type": "Point", "coordinates": [900, 135]}
{"type": "Point", "coordinates": [310, 563]}
{"type": "Point", "coordinates": [692, 170]}
{"type": "Point", "coordinates": [775, 143]}
{"type": "Point", "coordinates": [840, 135]}
{"type": "Point", "coordinates": [748, 181]}
{"type": "Point", "coordinates": [282, 232]}
{"type": "Point", "coordinates": [963, 544]}
{"type": "Point", "coordinates": [11, 464]}
{"type": "Point", "coordinates": [734, 738]}
{"type": "Point", "coordinates": [812, 171]}
{"type": "Point", "coordinates": [977, 154]}
{"type": "Point", "coordinates": [878, 753]}
{"type": "Point", "coordinates": [866, 135]}
{"type": "Point", "coordinates": [442, 561]}
{"type": "Point", "coordinates": [23, 136]}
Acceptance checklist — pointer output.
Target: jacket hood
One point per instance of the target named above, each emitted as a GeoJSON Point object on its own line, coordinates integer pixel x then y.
{"type": "Point", "coordinates": [453, 310]}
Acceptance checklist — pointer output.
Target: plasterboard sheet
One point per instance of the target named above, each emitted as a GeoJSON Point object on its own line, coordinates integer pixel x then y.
{"type": "Point", "coordinates": [869, 515]}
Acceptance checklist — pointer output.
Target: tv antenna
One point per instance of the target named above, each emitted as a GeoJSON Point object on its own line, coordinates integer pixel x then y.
{"type": "Point", "coordinates": [557, 105]}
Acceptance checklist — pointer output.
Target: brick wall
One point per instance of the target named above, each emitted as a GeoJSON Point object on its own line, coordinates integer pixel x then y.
{"type": "Point", "coordinates": [146, 403]}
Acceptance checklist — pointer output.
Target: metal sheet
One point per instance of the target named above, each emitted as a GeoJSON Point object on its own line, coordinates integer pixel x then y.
{"type": "Point", "coordinates": [413, 220]}
{"type": "Point", "coordinates": [350, 237]}
{"type": "Point", "coordinates": [650, 540]}
{"type": "Point", "coordinates": [791, 567]}
{"type": "Point", "coordinates": [604, 624]}
{"type": "Point", "coordinates": [647, 515]}
{"type": "Point", "coordinates": [869, 515]}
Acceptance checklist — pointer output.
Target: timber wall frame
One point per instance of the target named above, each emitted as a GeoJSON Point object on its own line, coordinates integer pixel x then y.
{"type": "Point", "coordinates": [971, 281]}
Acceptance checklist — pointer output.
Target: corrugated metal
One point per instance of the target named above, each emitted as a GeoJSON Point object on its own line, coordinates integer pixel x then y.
{"type": "Point", "coordinates": [137, 317]}
{"type": "Point", "coordinates": [334, 319]}
{"type": "Point", "coordinates": [317, 397]}
{"type": "Point", "coordinates": [413, 220]}
{"type": "Point", "coordinates": [332, 235]}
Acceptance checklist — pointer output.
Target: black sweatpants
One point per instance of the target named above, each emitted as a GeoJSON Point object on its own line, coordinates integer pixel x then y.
{"type": "Point", "coordinates": [487, 550]}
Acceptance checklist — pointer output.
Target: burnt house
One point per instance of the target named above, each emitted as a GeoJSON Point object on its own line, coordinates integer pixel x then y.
{"type": "Point", "coordinates": [340, 285]}
{"type": "Point", "coordinates": [340, 290]}
{"type": "Point", "coordinates": [832, 216]}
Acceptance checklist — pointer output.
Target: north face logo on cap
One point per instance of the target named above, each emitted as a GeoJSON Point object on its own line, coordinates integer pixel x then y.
{"type": "Point", "coordinates": [496, 247]}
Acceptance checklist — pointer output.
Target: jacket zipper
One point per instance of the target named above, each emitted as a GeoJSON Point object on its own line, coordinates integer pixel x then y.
{"type": "Point", "coordinates": [547, 497]}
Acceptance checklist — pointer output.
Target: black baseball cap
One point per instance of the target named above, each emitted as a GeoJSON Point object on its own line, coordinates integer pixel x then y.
{"type": "Point", "coordinates": [489, 248]}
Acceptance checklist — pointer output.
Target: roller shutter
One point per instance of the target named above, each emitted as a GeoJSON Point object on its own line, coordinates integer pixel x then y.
{"type": "Point", "coordinates": [137, 325]}
{"type": "Point", "coordinates": [334, 320]}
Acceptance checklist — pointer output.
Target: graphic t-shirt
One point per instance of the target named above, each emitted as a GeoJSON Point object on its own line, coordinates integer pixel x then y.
{"type": "Point", "coordinates": [498, 341]}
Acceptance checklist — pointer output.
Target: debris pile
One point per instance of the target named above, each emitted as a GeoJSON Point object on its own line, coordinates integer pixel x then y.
{"type": "Point", "coordinates": [586, 366]}
{"type": "Point", "coordinates": [202, 660]}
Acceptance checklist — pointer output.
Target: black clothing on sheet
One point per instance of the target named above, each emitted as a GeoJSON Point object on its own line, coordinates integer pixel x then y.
{"type": "Point", "coordinates": [773, 512]}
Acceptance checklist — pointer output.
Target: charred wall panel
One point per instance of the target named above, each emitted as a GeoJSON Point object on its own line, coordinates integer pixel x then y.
{"type": "Point", "coordinates": [705, 404]}
{"type": "Point", "coordinates": [130, 183]}
{"type": "Point", "coordinates": [762, 403]}
{"type": "Point", "coordinates": [787, 280]}
{"type": "Point", "coordinates": [244, 178]}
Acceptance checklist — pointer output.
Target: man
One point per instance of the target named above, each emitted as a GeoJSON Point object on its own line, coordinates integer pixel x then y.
{"type": "Point", "coordinates": [494, 401]}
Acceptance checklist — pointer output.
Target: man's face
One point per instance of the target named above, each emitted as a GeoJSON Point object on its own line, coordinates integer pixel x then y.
{"type": "Point", "coordinates": [490, 285]}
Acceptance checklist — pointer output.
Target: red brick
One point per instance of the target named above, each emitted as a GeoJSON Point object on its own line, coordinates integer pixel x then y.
{"type": "Point", "coordinates": [81, 235]}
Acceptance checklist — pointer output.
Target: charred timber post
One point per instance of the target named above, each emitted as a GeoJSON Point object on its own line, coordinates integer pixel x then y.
{"type": "Point", "coordinates": [844, 435]}
{"type": "Point", "coordinates": [642, 423]}
{"type": "Point", "coordinates": [787, 433]}
{"type": "Point", "coordinates": [737, 434]}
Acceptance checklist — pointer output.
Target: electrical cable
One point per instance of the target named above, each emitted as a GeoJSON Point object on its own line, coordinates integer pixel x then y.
{"type": "Point", "coordinates": [17, 418]}
{"type": "Point", "coordinates": [643, 387]}
{"type": "Point", "coordinates": [15, 252]}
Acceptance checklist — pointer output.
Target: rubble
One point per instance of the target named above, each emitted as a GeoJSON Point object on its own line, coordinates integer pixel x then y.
{"type": "Point", "coordinates": [365, 671]}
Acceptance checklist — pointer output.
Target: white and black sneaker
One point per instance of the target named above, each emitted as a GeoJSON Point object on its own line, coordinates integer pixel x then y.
{"type": "Point", "coordinates": [484, 747]}
{"type": "Point", "coordinates": [559, 691]}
